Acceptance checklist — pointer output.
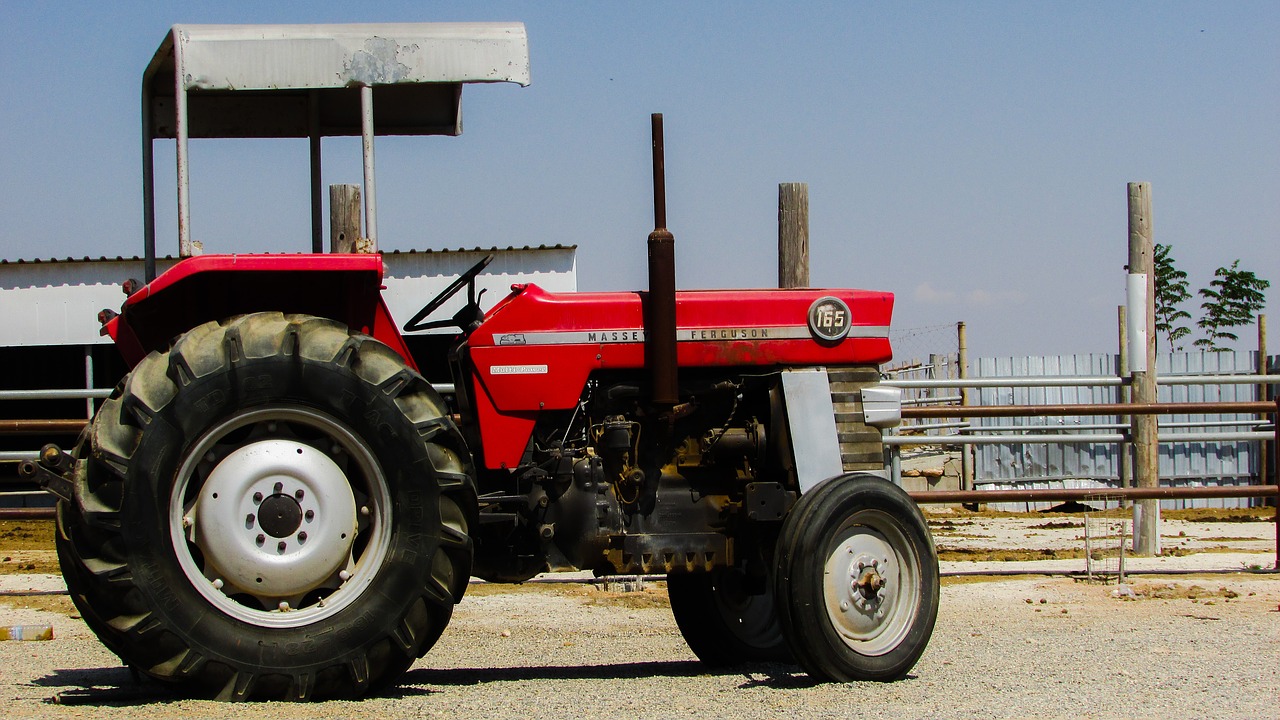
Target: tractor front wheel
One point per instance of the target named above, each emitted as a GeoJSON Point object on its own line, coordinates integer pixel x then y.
{"type": "Point", "coordinates": [275, 508]}
{"type": "Point", "coordinates": [857, 580]}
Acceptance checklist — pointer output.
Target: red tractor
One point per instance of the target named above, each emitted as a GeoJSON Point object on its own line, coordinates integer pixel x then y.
{"type": "Point", "coordinates": [275, 503]}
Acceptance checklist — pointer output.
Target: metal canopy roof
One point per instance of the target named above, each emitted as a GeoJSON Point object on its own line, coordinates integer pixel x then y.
{"type": "Point", "coordinates": [295, 81]}
{"type": "Point", "coordinates": [258, 80]}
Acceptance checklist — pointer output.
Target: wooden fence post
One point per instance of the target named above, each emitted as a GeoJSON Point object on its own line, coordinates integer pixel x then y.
{"type": "Point", "coordinates": [1142, 287]}
{"type": "Point", "coordinates": [962, 372]}
{"type": "Point", "coordinates": [344, 218]}
{"type": "Point", "coordinates": [793, 235]}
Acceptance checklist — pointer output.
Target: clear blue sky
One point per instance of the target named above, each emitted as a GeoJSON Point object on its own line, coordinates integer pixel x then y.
{"type": "Point", "coordinates": [970, 157]}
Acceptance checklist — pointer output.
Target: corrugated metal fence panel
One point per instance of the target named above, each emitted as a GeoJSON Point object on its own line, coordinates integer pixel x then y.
{"type": "Point", "coordinates": [1013, 464]}
{"type": "Point", "coordinates": [1023, 465]}
{"type": "Point", "coordinates": [1207, 463]}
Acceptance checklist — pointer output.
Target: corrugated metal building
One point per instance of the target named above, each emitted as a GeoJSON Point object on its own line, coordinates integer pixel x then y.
{"type": "Point", "coordinates": [49, 331]}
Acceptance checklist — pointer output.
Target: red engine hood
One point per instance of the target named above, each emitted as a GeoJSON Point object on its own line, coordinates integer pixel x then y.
{"type": "Point", "coordinates": [714, 327]}
{"type": "Point", "coordinates": [535, 350]}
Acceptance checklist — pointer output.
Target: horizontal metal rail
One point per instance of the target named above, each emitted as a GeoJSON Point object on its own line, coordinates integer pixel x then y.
{"type": "Point", "coordinates": [1053, 438]}
{"type": "Point", "coordinates": [42, 427]}
{"type": "Point", "coordinates": [28, 513]}
{"type": "Point", "coordinates": [1083, 409]}
{"type": "Point", "coordinates": [60, 394]}
{"type": "Point", "coordinates": [1079, 381]}
{"type": "Point", "coordinates": [1088, 426]}
{"type": "Point", "coordinates": [927, 497]}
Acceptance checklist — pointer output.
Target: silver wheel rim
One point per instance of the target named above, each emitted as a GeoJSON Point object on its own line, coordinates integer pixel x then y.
{"type": "Point", "coordinates": [871, 583]}
{"type": "Point", "coordinates": [279, 516]}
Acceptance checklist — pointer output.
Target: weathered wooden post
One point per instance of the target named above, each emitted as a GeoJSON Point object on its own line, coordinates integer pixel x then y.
{"type": "Point", "coordinates": [793, 235]}
{"type": "Point", "coordinates": [344, 218]}
{"type": "Point", "coordinates": [962, 372]}
{"type": "Point", "coordinates": [1142, 359]}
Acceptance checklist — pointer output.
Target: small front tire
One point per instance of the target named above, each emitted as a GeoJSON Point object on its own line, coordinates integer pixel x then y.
{"type": "Point", "coordinates": [857, 579]}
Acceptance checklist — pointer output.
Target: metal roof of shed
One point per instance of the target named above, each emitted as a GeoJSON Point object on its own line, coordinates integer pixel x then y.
{"type": "Point", "coordinates": [255, 80]}
{"type": "Point", "coordinates": [384, 253]}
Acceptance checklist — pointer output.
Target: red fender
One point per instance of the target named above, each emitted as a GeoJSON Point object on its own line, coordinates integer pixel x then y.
{"type": "Point", "coordinates": [345, 288]}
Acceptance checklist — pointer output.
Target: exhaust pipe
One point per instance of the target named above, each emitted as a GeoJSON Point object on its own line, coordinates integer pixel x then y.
{"type": "Point", "coordinates": [660, 311]}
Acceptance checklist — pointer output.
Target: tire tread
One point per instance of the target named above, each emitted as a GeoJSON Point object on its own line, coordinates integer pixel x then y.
{"type": "Point", "coordinates": [104, 587]}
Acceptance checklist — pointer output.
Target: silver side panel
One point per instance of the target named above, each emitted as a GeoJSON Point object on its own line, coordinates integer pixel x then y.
{"type": "Point", "coordinates": [882, 406]}
{"type": "Point", "coordinates": [811, 419]}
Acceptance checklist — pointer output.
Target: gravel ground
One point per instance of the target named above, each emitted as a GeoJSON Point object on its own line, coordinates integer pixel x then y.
{"type": "Point", "coordinates": [1201, 646]}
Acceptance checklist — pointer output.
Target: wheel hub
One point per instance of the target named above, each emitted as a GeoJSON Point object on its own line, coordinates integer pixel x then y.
{"type": "Point", "coordinates": [870, 585]}
{"type": "Point", "coordinates": [280, 515]}
{"type": "Point", "coordinates": [275, 518]}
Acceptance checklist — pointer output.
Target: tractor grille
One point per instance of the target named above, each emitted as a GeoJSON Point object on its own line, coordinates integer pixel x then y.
{"type": "Point", "coordinates": [860, 444]}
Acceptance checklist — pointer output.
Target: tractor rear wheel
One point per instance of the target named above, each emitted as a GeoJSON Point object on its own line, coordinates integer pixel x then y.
{"type": "Point", "coordinates": [857, 580]}
{"type": "Point", "coordinates": [723, 624]}
{"type": "Point", "coordinates": [275, 508]}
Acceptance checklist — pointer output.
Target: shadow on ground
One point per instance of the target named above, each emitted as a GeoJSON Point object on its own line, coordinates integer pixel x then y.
{"type": "Point", "coordinates": [121, 687]}
{"type": "Point", "coordinates": [754, 675]}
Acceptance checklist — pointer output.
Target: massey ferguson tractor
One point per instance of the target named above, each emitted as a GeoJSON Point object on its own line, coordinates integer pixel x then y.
{"type": "Point", "coordinates": [275, 504]}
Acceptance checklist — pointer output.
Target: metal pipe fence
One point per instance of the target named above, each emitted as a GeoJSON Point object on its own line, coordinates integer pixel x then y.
{"type": "Point", "coordinates": [70, 426]}
{"type": "Point", "coordinates": [1079, 381]}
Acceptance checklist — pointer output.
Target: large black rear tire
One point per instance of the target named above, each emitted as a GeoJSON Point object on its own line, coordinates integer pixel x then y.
{"type": "Point", "coordinates": [857, 580]}
{"type": "Point", "coordinates": [723, 623]}
{"type": "Point", "coordinates": [275, 508]}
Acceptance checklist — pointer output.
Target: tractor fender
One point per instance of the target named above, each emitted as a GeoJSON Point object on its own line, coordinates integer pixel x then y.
{"type": "Point", "coordinates": [341, 287]}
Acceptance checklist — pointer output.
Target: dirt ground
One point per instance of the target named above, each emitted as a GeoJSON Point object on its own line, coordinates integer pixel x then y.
{"type": "Point", "coordinates": [1191, 633]}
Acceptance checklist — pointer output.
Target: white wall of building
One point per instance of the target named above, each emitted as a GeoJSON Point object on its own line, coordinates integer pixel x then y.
{"type": "Point", "coordinates": [57, 302]}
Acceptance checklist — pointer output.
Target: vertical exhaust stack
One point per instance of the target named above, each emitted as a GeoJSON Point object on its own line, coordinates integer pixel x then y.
{"type": "Point", "coordinates": [660, 315]}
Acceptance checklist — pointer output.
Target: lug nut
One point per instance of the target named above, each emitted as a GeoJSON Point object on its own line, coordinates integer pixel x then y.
{"type": "Point", "coordinates": [302, 537]}
{"type": "Point", "coordinates": [257, 498]}
{"type": "Point", "coordinates": [261, 539]}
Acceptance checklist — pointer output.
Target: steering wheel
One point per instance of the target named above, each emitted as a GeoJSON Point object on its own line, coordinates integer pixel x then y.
{"type": "Point", "coordinates": [466, 279]}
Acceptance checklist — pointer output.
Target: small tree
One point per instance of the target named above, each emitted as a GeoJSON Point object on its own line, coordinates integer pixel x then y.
{"type": "Point", "coordinates": [1230, 301]}
{"type": "Point", "coordinates": [1171, 290]}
